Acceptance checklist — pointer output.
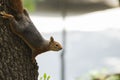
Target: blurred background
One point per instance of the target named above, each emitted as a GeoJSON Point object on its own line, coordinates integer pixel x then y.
{"type": "Point", "coordinates": [89, 31]}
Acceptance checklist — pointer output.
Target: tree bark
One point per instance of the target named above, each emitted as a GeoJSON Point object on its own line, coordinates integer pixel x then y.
{"type": "Point", "coordinates": [15, 55]}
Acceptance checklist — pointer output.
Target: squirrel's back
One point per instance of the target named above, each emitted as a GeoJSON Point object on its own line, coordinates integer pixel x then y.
{"type": "Point", "coordinates": [32, 35]}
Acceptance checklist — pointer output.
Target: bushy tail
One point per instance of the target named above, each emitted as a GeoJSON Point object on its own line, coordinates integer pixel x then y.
{"type": "Point", "coordinates": [15, 6]}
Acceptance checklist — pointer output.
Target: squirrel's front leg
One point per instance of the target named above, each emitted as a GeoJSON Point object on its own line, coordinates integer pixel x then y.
{"type": "Point", "coordinates": [34, 54]}
{"type": "Point", "coordinates": [14, 24]}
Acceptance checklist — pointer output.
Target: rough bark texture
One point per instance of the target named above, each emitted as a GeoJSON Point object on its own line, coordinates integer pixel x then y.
{"type": "Point", "coordinates": [15, 55]}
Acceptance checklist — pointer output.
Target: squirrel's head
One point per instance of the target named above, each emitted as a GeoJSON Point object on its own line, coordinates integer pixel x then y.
{"type": "Point", "coordinates": [53, 45]}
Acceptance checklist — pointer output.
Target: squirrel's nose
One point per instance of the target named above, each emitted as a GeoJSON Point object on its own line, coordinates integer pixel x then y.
{"type": "Point", "coordinates": [61, 48]}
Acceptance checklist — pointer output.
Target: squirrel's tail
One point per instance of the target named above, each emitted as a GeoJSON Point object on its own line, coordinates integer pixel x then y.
{"type": "Point", "coordinates": [15, 6]}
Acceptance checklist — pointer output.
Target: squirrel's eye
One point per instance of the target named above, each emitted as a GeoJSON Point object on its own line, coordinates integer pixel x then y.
{"type": "Point", "coordinates": [56, 45]}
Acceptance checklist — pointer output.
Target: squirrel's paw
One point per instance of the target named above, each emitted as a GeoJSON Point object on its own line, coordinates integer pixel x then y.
{"type": "Point", "coordinates": [6, 16]}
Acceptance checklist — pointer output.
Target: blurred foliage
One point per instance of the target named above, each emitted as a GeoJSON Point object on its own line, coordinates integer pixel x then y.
{"type": "Point", "coordinates": [106, 77]}
{"type": "Point", "coordinates": [40, 0]}
{"type": "Point", "coordinates": [45, 77]}
{"type": "Point", "coordinates": [100, 75]}
{"type": "Point", "coordinates": [114, 77]}
{"type": "Point", "coordinates": [29, 4]}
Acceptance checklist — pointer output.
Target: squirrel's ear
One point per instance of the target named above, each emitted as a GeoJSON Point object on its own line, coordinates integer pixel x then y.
{"type": "Point", "coordinates": [26, 12]}
{"type": "Point", "coordinates": [51, 39]}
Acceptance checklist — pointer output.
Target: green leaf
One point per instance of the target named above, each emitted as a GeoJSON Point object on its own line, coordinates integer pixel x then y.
{"type": "Point", "coordinates": [40, 78]}
{"type": "Point", "coordinates": [45, 76]}
{"type": "Point", "coordinates": [48, 78]}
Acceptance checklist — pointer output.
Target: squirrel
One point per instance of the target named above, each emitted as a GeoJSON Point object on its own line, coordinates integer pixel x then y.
{"type": "Point", "coordinates": [23, 27]}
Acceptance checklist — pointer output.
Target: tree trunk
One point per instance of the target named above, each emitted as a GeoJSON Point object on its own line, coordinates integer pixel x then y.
{"type": "Point", "coordinates": [15, 55]}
